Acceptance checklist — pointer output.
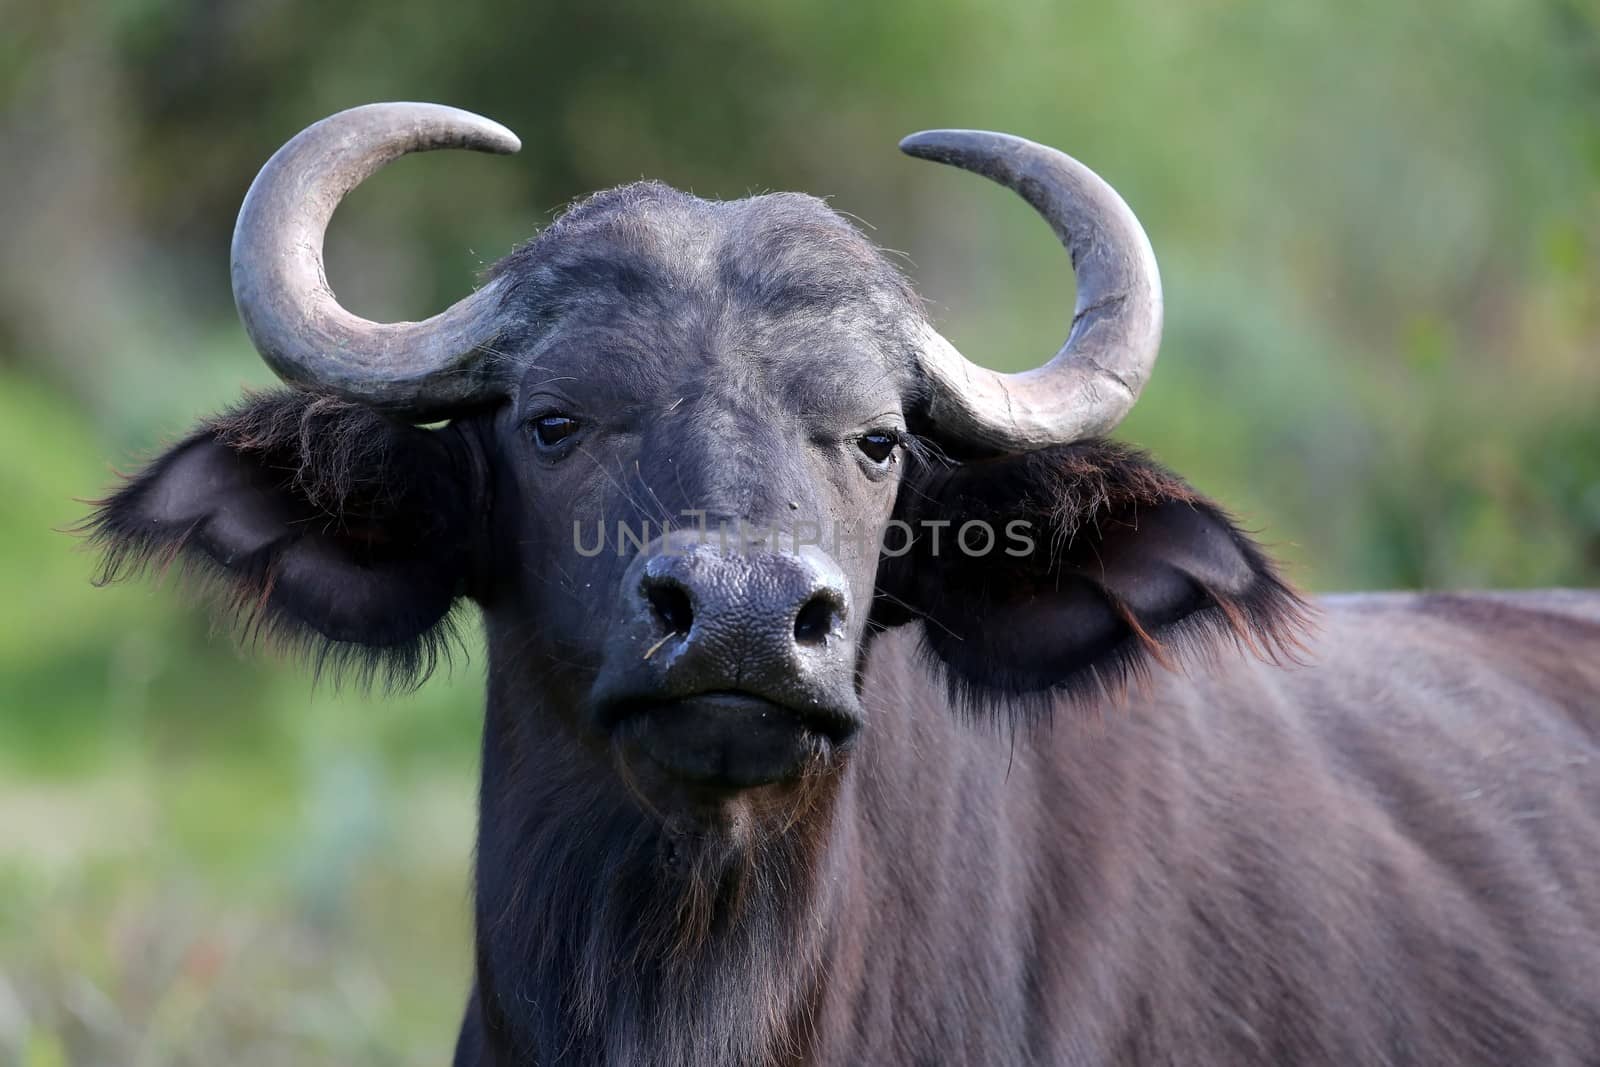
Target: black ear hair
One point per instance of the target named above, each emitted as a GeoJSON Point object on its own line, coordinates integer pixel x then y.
{"type": "Point", "coordinates": [1101, 564]}
{"type": "Point", "coordinates": [325, 526]}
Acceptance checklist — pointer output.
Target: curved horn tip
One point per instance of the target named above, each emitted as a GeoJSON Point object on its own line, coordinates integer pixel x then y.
{"type": "Point", "coordinates": [925, 143]}
{"type": "Point", "coordinates": [479, 134]}
{"type": "Point", "coordinates": [499, 140]}
{"type": "Point", "coordinates": [491, 136]}
{"type": "Point", "coordinates": [941, 145]}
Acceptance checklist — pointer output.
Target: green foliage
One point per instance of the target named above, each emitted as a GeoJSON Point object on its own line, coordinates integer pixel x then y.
{"type": "Point", "coordinates": [1379, 226]}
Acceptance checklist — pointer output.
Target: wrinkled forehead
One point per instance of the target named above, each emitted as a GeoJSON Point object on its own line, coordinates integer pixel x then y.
{"type": "Point", "coordinates": [774, 276]}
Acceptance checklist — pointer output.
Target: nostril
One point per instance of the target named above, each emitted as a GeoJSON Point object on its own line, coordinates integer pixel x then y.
{"type": "Point", "coordinates": [815, 619]}
{"type": "Point", "coordinates": [670, 603]}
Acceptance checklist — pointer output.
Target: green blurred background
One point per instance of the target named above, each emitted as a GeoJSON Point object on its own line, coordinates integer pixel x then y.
{"type": "Point", "coordinates": [1379, 226]}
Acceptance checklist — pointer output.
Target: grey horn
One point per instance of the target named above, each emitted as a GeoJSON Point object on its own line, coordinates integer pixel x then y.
{"type": "Point", "coordinates": [1093, 381]}
{"type": "Point", "coordinates": [418, 369]}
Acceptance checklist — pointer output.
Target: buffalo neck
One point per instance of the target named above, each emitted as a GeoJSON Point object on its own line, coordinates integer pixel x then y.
{"type": "Point", "coordinates": [619, 932]}
{"type": "Point", "coordinates": [608, 932]}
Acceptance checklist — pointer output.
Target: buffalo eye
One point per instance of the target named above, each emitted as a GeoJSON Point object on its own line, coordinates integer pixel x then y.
{"type": "Point", "coordinates": [878, 445]}
{"type": "Point", "coordinates": [550, 430]}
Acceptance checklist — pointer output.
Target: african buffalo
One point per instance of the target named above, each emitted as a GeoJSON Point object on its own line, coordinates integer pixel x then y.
{"type": "Point", "coordinates": [793, 799]}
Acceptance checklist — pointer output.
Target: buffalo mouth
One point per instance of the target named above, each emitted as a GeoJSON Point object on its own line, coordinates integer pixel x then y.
{"type": "Point", "coordinates": [728, 740]}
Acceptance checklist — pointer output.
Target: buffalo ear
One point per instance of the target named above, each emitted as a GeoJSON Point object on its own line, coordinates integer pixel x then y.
{"type": "Point", "coordinates": [1103, 565]}
{"type": "Point", "coordinates": [323, 525]}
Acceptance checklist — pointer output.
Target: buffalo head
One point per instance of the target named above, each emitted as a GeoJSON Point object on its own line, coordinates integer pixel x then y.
{"type": "Point", "coordinates": [697, 455]}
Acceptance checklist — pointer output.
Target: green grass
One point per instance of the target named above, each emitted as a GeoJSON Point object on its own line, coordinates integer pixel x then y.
{"type": "Point", "coordinates": [323, 921]}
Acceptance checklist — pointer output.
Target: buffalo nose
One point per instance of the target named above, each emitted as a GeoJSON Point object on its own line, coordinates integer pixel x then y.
{"type": "Point", "coordinates": [743, 607]}
{"type": "Point", "coordinates": [730, 667]}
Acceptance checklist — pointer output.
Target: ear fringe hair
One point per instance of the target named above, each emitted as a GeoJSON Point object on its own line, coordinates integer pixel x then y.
{"type": "Point", "coordinates": [1075, 488]}
{"type": "Point", "coordinates": [240, 591]}
{"type": "Point", "coordinates": [1270, 621]}
{"type": "Point", "coordinates": [334, 452]}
